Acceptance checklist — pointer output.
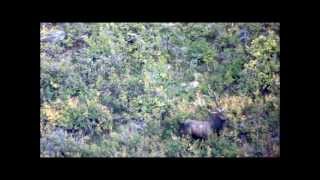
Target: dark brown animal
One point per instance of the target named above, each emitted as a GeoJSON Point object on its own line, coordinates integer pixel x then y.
{"type": "Point", "coordinates": [202, 129]}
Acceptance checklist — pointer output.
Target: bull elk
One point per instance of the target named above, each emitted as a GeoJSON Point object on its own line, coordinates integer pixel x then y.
{"type": "Point", "coordinates": [202, 129]}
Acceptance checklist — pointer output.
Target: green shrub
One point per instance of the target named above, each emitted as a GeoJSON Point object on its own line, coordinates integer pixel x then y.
{"type": "Point", "coordinates": [103, 77]}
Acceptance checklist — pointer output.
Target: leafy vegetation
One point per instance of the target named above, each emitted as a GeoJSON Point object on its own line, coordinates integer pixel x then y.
{"type": "Point", "coordinates": [123, 89]}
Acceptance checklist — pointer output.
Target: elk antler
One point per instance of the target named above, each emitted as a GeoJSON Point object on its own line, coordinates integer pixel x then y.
{"type": "Point", "coordinates": [215, 98]}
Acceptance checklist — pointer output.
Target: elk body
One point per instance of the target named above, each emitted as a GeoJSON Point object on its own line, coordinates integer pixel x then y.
{"type": "Point", "coordinates": [202, 129]}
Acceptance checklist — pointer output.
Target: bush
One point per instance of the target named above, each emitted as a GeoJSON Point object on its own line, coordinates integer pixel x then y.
{"type": "Point", "coordinates": [122, 89]}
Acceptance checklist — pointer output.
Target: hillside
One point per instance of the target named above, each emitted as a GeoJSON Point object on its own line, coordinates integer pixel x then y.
{"type": "Point", "coordinates": [128, 89]}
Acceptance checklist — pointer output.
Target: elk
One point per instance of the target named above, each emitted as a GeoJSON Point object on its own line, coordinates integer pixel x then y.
{"type": "Point", "coordinates": [202, 129]}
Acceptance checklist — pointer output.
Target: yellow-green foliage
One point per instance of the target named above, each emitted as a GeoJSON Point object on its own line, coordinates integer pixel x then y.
{"type": "Point", "coordinates": [122, 89]}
